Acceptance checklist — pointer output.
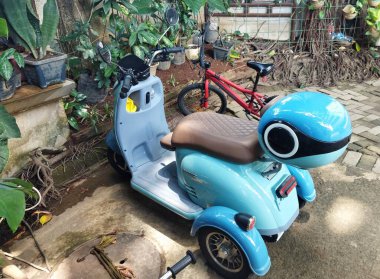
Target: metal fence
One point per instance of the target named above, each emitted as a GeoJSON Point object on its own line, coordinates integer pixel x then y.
{"type": "Point", "coordinates": [295, 25]}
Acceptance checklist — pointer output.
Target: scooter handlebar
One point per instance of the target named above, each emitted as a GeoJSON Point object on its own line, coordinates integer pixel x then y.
{"type": "Point", "coordinates": [174, 49]}
{"type": "Point", "coordinates": [179, 266]}
{"type": "Point", "coordinates": [126, 86]}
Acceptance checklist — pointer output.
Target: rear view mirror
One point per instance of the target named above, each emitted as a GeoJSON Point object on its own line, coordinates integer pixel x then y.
{"type": "Point", "coordinates": [104, 52]}
{"type": "Point", "coordinates": [171, 16]}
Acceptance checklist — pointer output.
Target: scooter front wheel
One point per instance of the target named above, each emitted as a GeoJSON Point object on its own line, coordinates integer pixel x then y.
{"type": "Point", "coordinates": [223, 254]}
{"type": "Point", "coordinates": [118, 163]}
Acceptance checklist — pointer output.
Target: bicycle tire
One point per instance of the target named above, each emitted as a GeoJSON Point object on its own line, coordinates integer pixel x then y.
{"type": "Point", "coordinates": [215, 93]}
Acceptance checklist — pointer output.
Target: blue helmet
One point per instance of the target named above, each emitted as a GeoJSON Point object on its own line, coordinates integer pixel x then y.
{"type": "Point", "coordinates": [305, 129]}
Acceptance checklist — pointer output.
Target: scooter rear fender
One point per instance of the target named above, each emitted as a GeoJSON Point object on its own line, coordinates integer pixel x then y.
{"type": "Point", "coordinates": [250, 242]}
{"type": "Point", "coordinates": [305, 185]}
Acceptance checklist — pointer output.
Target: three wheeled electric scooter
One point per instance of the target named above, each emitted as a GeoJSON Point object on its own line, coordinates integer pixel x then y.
{"type": "Point", "coordinates": [240, 183]}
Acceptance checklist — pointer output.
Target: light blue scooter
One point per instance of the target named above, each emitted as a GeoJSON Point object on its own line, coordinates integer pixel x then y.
{"type": "Point", "coordinates": [240, 183]}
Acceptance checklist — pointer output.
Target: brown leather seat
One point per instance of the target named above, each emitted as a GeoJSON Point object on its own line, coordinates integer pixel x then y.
{"type": "Point", "coordinates": [166, 142]}
{"type": "Point", "coordinates": [223, 136]}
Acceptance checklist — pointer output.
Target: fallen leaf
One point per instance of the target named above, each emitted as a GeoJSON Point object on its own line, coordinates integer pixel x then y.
{"type": "Point", "coordinates": [45, 218]}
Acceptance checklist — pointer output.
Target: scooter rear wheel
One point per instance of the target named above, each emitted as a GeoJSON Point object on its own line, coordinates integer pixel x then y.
{"type": "Point", "coordinates": [118, 163]}
{"type": "Point", "coordinates": [223, 254]}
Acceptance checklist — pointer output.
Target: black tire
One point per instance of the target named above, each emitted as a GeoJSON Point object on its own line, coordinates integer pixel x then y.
{"type": "Point", "coordinates": [118, 163]}
{"type": "Point", "coordinates": [208, 238]}
{"type": "Point", "coordinates": [191, 97]}
{"type": "Point", "coordinates": [267, 100]}
{"type": "Point", "coordinates": [301, 202]}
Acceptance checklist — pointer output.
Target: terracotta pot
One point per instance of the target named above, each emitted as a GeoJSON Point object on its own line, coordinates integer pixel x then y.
{"type": "Point", "coordinates": [164, 65]}
{"type": "Point", "coordinates": [153, 69]}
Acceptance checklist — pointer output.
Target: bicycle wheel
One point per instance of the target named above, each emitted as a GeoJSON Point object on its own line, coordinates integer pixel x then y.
{"type": "Point", "coordinates": [191, 99]}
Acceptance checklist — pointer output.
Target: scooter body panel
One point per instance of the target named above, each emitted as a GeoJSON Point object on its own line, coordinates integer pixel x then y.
{"type": "Point", "coordinates": [305, 185]}
{"type": "Point", "coordinates": [250, 242]}
{"type": "Point", "coordinates": [210, 181]}
{"type": "Point", "coordinates": [138, 133]}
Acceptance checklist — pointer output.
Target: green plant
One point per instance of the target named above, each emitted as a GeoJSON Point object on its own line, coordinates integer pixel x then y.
{"type": "Point", "coordinates": [143, 36]}
{"type": "Point", "coordinates": [6, 68]}
{"type": "Point", "coordinates": [373, 18]}
{"type": "Point", "coordinates": [12, 190]}
{"type": "Point", "coordinates": [24, 20]}
{"type": "Point", "coordinates": [8, 130]}
{"type": "Point", "coordinates": [76, 110]}
{"type": "Point", "coordinates": [12, 200]}
{"type": "Point", "coordinates": [3, 28]}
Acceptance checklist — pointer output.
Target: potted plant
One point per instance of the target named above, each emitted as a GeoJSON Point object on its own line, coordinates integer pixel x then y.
{"type": "Point", "coordinates": [8, 77]}
{"type": "Point", "coordinates": [222, 48]}
{"type": "Point", "coordinates": [42, 67]}
{"type": "Point", "coordinates": [373, 21]}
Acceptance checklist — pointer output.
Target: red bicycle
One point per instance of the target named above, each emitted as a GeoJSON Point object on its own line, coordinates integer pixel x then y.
{"type": "Point", "coordinates": [205, 96]}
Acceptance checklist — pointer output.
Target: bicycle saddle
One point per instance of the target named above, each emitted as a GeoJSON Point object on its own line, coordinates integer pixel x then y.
{"type": "Point", "coordinates": [261, 68]}
{"type": "Point", "coordinates": [223, 136]}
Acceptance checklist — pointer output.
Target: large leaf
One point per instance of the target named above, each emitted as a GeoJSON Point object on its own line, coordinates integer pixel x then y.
{"type": "Point", "coordinates": [3, 28]}
{"type": "Point", "coordinates": [149, 37]}
{"type": "Point", "coordinates": [132, 39]}
{"type": "Point", "coordinates": [129, 6]}
{"type": "Point", "coordinates": [195, 5]}
{"type": "Point", "coordinates": [4, 154]}
{"type": "Point", "coordinates": [6, 69]}
{"type": "Point", "coordinates": [12, 206]}
{"type": "Point", "coordinates": [50, 23]}
{"type": "Point", "coordinates": [16, 15]}
{"type": "Point", "coordinates": [218, 5]}
{"type": "Point", "coordinates": [8, 125]}
{"type": "Point", "coordinates": [19, 59]}
{"type": "Point", "coordinates": [144, 7]}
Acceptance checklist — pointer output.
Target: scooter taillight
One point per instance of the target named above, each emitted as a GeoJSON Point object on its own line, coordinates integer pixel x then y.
{"type": "Point", "coordinates": [286, 187]}
{"type": "Point", "coordinates": [245, 221]}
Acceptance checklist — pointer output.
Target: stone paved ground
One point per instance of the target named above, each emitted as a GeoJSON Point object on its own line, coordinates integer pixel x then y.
{"type": "Point", "coordinates": [363, 103]}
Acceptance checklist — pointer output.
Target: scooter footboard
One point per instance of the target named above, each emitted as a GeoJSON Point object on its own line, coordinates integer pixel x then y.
{"type": "Point", "coordinates": [250, 242]}
{"type": "Point", "coordinates": [305, 185]}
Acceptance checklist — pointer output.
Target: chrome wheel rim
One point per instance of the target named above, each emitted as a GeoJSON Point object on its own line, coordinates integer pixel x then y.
{"type": "Point", "coordinates": [224, 252]}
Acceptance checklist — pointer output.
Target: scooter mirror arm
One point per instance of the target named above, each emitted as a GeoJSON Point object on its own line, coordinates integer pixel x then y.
{"type": "Point", "coordinates": [155, 53]}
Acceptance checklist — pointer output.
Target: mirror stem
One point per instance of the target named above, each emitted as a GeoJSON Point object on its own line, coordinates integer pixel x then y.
{"type": "Point", "coordinates": [163, 34]}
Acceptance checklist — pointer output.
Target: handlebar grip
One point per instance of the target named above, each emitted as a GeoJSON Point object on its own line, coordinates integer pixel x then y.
{"type": "Point", "coordinates": [126, 86]}
{"type": "Point", "coordinates": [175, 49]}
{"type": "Point", "coordinates": [184, 262]}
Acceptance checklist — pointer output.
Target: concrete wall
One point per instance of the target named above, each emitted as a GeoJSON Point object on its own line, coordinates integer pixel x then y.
{"type": "Point", "coordinates": [271, 28]}
{"type": "Point", "coordinates": [248, 19]}
{"type": "Point", "coordinates": [44, 126]}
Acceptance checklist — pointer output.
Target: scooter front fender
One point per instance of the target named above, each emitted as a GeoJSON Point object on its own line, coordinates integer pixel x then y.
{"type": "Point", "coordinates": [305, 185]}
{"type": "Point", "coordinates": [250, 242]}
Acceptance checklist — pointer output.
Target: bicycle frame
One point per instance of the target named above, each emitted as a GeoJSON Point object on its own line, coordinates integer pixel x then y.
{"type": "Point", "coordinates": [225, 85]}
